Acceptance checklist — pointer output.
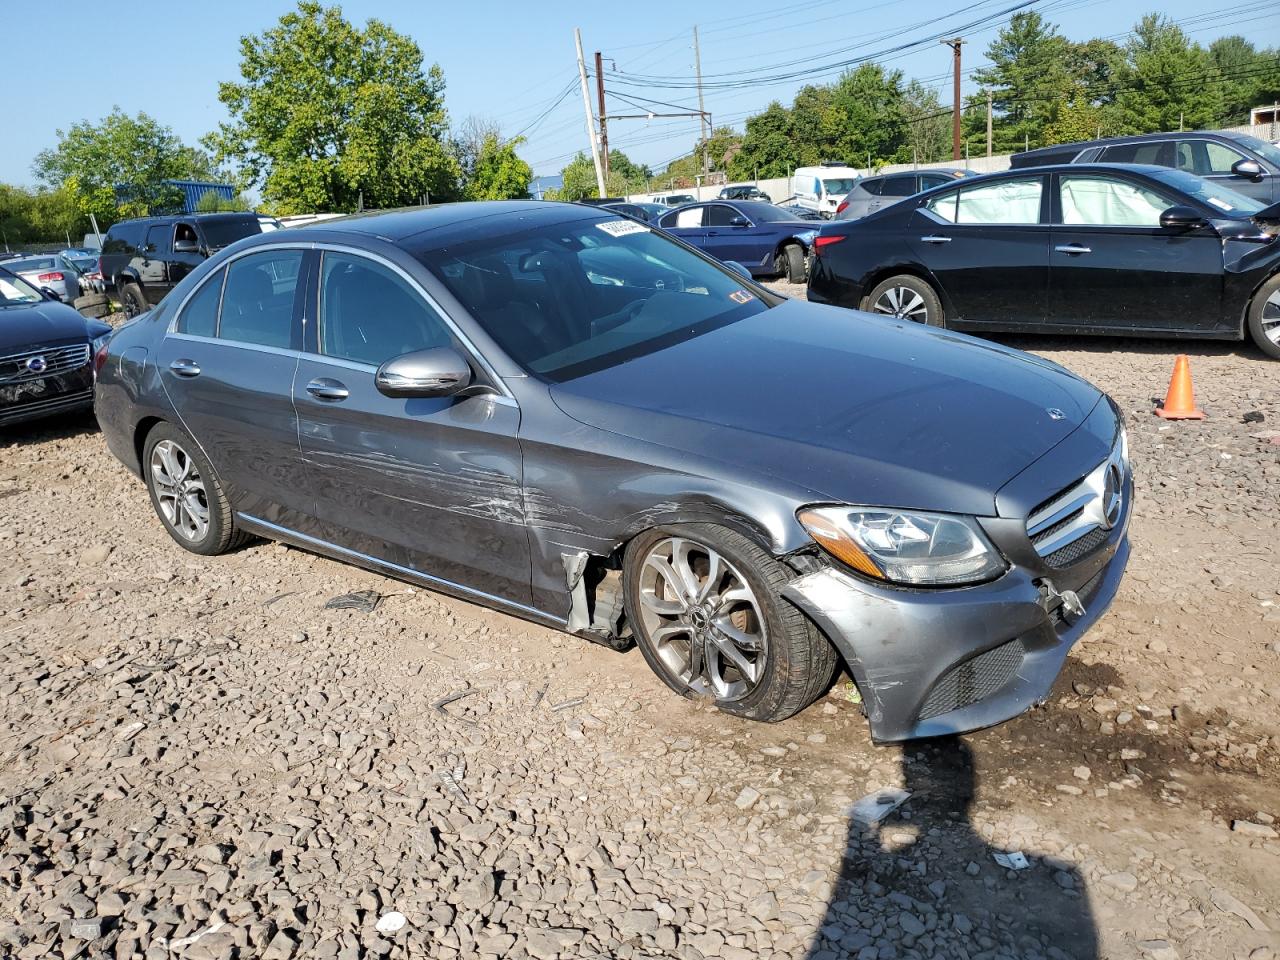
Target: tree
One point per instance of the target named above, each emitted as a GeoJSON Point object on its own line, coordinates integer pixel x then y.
{"type": "Point", "coordinates": [327, 113]}
{"type": "Point", "coordinates": [1027, 76]}
{"type": "Point", "coordinates": [1168, 82]}
{"type": "Point", "coordinates": [120, 157]}
{"type": "Point", "coordinates": [579, 177]}
{"type": "Point", "coordinates": [497, 173]}
{"type": "Point", "coordinates": [767, 149]}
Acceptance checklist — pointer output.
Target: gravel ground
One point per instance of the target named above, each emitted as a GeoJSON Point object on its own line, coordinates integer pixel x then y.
{"type": "Point", "coordinates": [199, 760]}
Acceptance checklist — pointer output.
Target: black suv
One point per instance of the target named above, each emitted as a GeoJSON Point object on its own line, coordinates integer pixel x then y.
{"type": "Point", "coordinates": [744, 191]}
{"type": "Point", "coordinates": [1245, 164]}
{"type": "Point", "coordinates": [145, 258]}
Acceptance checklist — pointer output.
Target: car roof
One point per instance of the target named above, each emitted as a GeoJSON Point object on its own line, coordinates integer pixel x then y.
{"type": "Point", "coordinates": [1081, 145]}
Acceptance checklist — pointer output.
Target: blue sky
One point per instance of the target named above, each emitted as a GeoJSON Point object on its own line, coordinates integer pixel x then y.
{"type": "Point", "coordinates": [510, 61]}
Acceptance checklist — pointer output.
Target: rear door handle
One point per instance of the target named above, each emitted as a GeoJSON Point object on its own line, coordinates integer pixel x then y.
{"type": "Point", "coordinates": [1073, 249]}
{"type": "Point", "coordinates": [933, 238]}
{"type": "Point", "coordinates": [185, 368]}
{"type": "Point", "coordinates": [327, 388]}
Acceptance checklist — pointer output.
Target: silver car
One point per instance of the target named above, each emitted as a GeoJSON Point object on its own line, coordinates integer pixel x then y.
{"type": "Point", "coordinates": [874, 193]}
{"type": "Point", "coordinates": [58, 273]}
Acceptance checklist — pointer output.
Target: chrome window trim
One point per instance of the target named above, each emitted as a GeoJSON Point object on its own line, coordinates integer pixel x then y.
{"type": "Point", "coordinates": [407, 572]}
{"type": "Point", "coordinates": [240, 344]}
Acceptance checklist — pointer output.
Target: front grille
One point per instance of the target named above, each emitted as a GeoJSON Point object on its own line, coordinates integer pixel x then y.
{"type": "Point", "coordinates": [30, 410]}
{"type": "Point", "coordinates": [973, 680]}
{"type": "Point", "coordinates": [16, 367]}
{"type": "Point", "coordinates": [1075, 522]}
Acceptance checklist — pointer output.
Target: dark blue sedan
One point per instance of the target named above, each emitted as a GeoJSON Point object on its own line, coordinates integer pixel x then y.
{"type": "Point", "coordinates": [765, 239]}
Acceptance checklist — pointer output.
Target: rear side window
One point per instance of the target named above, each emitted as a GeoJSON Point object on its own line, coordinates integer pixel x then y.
{"type": "Point", "coordinates": [1104, 201]}
{"type": "Point", "coordinates": [1005, 202]}
{"type": "Point", "coordinates": [200, 315]}
{"type": "Point", "coordinates": [257, 302]}
{"type": "Point", "coordinates": [1160, 153]}
{"type": "Point", "coordinates": [873, 187]}
{"type": "Point", "coordinates": [369, 314]}
{"type": "Point", "coordinates": [899, 186]}
{"type": "Point", "coordinates": [122, 238]}
{"type": "Point", "coordinates": [686, 218]}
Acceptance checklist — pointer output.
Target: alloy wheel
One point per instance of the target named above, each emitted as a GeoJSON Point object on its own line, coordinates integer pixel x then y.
{"type": "Point", "coordinates": [180, 490]}
{"type": "Point", "coordinates": [702, 618]}
{"type": "Point", "coordinates": [902, 302]}
{"type": "Point", "coordinates": [1270, 320]}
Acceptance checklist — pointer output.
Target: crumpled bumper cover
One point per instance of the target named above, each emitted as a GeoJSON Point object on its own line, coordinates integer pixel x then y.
{"type": "Point", "coordinates": [900, 644]}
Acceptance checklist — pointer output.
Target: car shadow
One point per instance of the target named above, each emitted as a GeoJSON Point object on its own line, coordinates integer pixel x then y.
{"type": "Point", "coordinates": [924, 881]}
{"type": "Point", "coordinates": [62, 426]}
{"type": "Point", "coordinates": [1168, 346]}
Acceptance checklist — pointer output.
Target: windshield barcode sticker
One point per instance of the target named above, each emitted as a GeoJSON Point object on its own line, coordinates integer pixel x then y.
{"type": "Point", "coordinates": [741, 296]}
{"type": "Point", "coordinates": [620, 228]}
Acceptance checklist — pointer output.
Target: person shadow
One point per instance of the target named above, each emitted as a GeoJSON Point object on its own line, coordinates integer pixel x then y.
{"type": "Point", "coordinates": [924, 882]}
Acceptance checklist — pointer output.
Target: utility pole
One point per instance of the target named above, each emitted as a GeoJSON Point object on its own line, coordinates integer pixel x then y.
{"type": "Point", "coordinates": [604, 129]}
{"type": "Point", "coordinates": [988, 123]}
{"type": "Point", "coordinates": [586, 106]}
{"type": "Point", "coordinates": [955, 44]}
{"type": "Point", "coordinates": [704, 133]}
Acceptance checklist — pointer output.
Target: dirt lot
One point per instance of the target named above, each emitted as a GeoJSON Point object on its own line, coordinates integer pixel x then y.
{"type": "Point", "coordinates": [199, 760]}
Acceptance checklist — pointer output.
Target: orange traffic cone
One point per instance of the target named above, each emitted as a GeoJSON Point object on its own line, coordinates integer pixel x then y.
{"type": "Point", "coordinates": [1180, 401]}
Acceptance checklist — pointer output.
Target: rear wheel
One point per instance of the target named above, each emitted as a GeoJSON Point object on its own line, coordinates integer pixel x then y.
{"type": "Point", "coordinates": [705, 605]}
{"type": "Point", "coordinates": [908, 298]}
{"type": "Point", "coordinates": [791, 261]}
{"type": "Point", "coordinates": [1264, 318]}
{"type": "Point", "coordinates": [186, 494]}
{"type": "Point", "coordinates": [92, 305]}
{"type": "Point", "coordinates": [132, 300]}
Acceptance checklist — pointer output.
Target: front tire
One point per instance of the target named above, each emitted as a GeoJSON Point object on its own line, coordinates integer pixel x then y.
{"type": "Point", "coordinates": [792, 263]}
{"type": "Point", "coordinates": [186, 493]}
{"type": "Point", "coordinates": [133, 301]}
{"type": "Point", "coordinates": [706, 608]}
{"type": "Point", "coordinates": [1264, 318]}
{"type": "Point", "coordinates": [908, 298]}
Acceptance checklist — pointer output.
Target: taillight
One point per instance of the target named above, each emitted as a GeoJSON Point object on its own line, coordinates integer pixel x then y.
{"type": "Point", "coordinates": [819, 242]}
{"type": "Point", "coordinates": [100, 358]}
{"type": "Point", "coordinates": [50, 277]}
{"type": "Point", "coordinates": [844, 205]}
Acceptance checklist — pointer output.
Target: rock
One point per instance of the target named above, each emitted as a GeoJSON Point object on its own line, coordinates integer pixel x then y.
{"type": "Point", "coordinates": [281, 947]}
{"type": "Point", "coordinates": [1228, 903]}
{"type": "Point", "coordinates": [1248, 828]}
{"type": "Point", "coordinates": [476, 892]}
{"type": "Point", "coordinates": [1126, 882]}
{"type": "Point", "coordinates": [549, 943]}
{"type": "Point", "coordinates": [1158, 646]}
{"type": "Point", "coordinates": [1158, 949]}
{"type": "Point", "coordinates": [1082, 773]}
{"type": "Point", "coordinates": [639, 923]}
{"type": "Point", "coordinates": [95, 555]}
{"type": "Point", "coordinates": [747, 798]}
{"type": "Point", "coordinates": [86, 928]}
{"type": "Point", "coordinates": [910, 924]}
{"type": "Point", "coordinates": [1105, 705]}
{"type": "Point", "coordinates": [764, 907]}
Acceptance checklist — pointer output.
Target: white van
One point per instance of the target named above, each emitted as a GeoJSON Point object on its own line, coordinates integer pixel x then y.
{"type": "Point", "coordinates": [822, 188]}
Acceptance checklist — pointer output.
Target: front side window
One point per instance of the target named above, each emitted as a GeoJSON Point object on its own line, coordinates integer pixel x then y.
{"type": "Point", "coordinates": [566, 299]}
{"type": "Point", "coordinates": [200, 315]}
{"type": "Point", "coordinates": [257, 301]}
{"type": "Point", "coordinates": [721, 216]}
{"type": "Point", "coordinates": [1107, 202]}
{"type": "Point", "coordinates": [1007, 202]}
{"type": "Point", "coordinates": [1160, 153]}
{"type": "Point", "coordinates": [370, 314]}
{"type": "Point", "coordinates": [156, 237]}
{"type": "Point", "coordinates": [14, 290]}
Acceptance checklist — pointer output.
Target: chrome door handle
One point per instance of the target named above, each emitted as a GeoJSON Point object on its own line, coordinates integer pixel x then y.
{"type": "Point", "coordinates": [326, 388]}
{"type": "Point", "coordinates": [185, 368]}
{"type": "Point", "coordinates": [933, 238]}
{"type": "Point", "coordinates": [1073, 248]}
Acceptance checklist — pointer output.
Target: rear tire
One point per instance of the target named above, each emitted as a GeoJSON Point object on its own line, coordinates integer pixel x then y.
{"type": "Point", "coordinates": [908, 298]}
{"type": "Point", "coordinates": [1264, 318]}
{"type": "Point", "coordinates": [92, 305]}
{"type": "Point", "coordinates": [186, 493]}
{"type": "Point", "coordinates": [792, 262]}
{"type": "Point", "coordinates": [133, 300]}
{"type": "Point", "coordinates": [789, 662]}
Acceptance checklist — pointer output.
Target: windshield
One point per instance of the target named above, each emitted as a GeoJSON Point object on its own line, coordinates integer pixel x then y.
{"type": "Point", "coordinates": [840, 185]}
{"type": "Point", "coordinates": [221, 233]}
{"type": "Point", "coordinates": [568, 299]}
{"type": "Point", "coordinates": [766, 212]}
{"type": "Point", "coordinates": [1224, 199]}
{"type": "Point", "coordinates": [1268, 151]}
{"type": "Point", "coordinates": [15, 290]}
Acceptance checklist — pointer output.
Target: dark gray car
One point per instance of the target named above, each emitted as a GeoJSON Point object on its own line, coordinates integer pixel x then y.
{"type": "Point", "coordinates": [572, 417]}
{"type": "Point", "coordinates": [874, 193]}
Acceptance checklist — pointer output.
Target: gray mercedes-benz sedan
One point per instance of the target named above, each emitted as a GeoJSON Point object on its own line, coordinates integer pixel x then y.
{"type": "Point", "coordinates": [574, 418]}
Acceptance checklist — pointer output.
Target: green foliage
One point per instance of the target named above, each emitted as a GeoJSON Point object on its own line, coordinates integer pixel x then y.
{"type": "Point", "coordinates": [1251, 77]}
{"type": "Point", "coordinates": [766, 149]}
{"type": "Point", "coordinates": [210, 202]}
{"type": "Point", "coordinates": [1028, 74]}
{"type": "Point", "coordinates": [1170, 83]}
{"type": "Point", "coordinates": [497, 173]}
{"type": "Point", "coordinates": [28, 216]}
{"type": "Point", "coordinates": [326, 112]}
{"type": "Point", "coordinates": [579, 180]}
{"type": "Point", "coordinates": [121, 154]}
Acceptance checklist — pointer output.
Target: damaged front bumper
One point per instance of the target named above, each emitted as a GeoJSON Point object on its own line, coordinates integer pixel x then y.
{"type": "Point", "coordinates": [936, 662]}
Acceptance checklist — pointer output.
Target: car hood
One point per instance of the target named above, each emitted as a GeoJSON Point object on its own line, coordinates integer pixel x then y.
{"type": "Point", "coordinates": [39, 324]}
{"type": "Point", "coordinates": [844, 406]}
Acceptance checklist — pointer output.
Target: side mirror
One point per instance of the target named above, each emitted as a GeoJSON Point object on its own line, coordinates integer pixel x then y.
{"type": "Point", "coordinates": [738, 221]}
{"type": "Point", "coordinates": [438, 372]}
{"type": "Point", "coordinates": [51, 294]}
{"type": "Point", "coordinates": [1249, 169]}
{"type": "Point", "coordinates": [186, 246]}
{"type": "Point", "coordinates": [738, 268]}
{"type": "Point", "coordinates": [1181, 218]}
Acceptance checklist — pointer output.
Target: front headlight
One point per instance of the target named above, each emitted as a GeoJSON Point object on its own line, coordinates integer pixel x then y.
{"type": "Point", "coordinates": [905, 546]}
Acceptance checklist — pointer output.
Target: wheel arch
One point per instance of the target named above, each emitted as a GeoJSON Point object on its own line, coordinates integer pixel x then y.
{"type": "Point", "coordinates": [140, 434]}
{"type": "Point", "coordinates": [880, 274]}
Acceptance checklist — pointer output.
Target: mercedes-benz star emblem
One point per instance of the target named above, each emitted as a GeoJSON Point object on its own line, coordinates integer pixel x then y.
{"type": "Point", "coordinates": [37, 365]}
{"type": "Point", "coordinates": [1112, 495]}
{"type": "Point", "coordinates": [1054, 413]}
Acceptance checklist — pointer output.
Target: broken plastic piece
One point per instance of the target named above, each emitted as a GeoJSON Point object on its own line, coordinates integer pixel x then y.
{"type": "Point", "coordinates": [874, 807]}
{"type": "Point", "coordinates": [363, 601]}
{"type": "Point", "coordinates": [391, 922]}
{"type": "Point", "coordinates": [1014, 860]}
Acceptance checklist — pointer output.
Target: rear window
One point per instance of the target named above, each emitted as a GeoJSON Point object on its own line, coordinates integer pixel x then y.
{"type": "Point", "coordinates": [223, 233]}
{"type": "Point", "coordinates": [899, 186]}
